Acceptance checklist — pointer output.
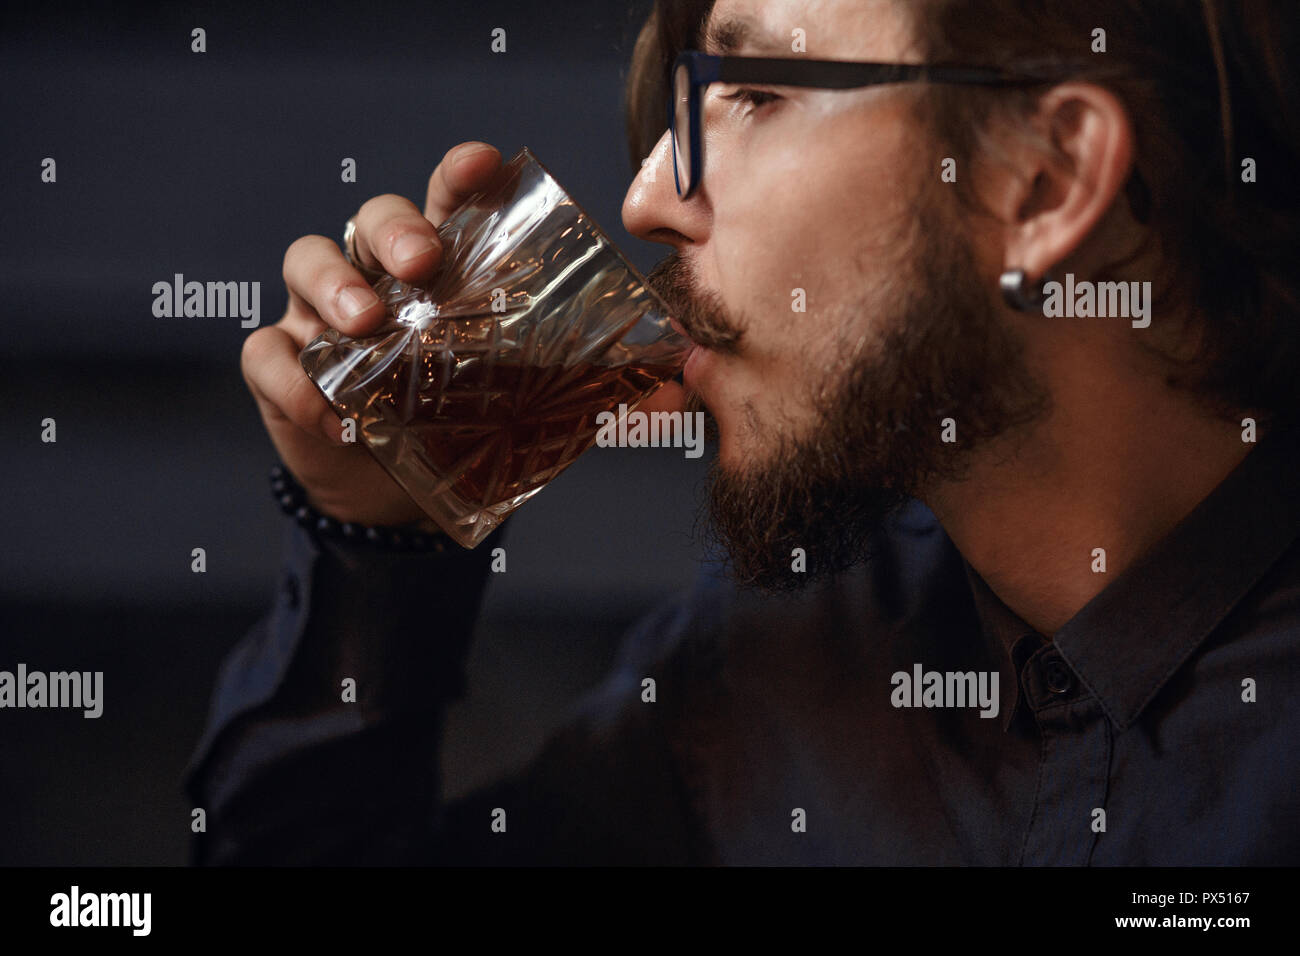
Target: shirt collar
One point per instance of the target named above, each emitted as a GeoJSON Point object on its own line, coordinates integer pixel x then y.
{"type": "Point", "coordinates": [1127, 642]}
{"type": "Point", "coordinates": [1003, 629]}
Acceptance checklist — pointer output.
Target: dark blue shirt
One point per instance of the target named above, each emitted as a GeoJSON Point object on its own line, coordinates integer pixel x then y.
{"type": "Point", "coordinates": [1158, 727]}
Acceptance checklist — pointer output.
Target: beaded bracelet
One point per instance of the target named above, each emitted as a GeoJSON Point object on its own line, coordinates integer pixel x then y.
{"type": "Point", "coordinates": [293, 501]}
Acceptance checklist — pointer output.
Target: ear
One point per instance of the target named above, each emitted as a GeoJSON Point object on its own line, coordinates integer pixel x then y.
{"type": "Point", "coordinates": [1053, 201]}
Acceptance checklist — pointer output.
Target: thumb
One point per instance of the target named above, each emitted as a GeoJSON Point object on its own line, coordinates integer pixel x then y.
{"type": "Point", "coordinates": [670, 397]}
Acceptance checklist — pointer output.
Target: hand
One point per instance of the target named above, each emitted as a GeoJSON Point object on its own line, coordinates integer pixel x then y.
{"type": "Point", "coordinates": [343, 480]}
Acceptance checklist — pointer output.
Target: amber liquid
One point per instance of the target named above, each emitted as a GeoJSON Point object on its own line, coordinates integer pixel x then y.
{"type": "Point", "coordinates": [498, 432]}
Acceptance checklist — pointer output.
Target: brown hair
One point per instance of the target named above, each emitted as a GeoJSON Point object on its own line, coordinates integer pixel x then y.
{"type": "Point", "coordinates": [1208, 84]}
{"type": "Point", "coordinates": [673, 26]}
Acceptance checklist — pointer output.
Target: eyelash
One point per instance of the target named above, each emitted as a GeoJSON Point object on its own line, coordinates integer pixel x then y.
{"type": "Point", "coordinates": [756, 98]}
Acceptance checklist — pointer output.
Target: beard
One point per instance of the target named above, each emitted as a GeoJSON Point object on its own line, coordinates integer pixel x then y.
{"type": "Point", "coordinates": [943, 351]}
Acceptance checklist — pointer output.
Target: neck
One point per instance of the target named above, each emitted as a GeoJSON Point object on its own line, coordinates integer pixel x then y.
{"type": "Point", "coordinates": [1116, 465]}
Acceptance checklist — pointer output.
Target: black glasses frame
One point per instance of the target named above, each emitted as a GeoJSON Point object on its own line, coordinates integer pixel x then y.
{"type": "Point", "coordinates": [705, 68]}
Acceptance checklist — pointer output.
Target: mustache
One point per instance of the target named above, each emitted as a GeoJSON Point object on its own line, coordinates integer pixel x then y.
{"type": "Point", "coordinates": [700, 313]}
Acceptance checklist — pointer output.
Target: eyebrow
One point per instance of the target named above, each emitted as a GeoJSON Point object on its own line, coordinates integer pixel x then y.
{"type": "Point", "coordinates": [730, 34]}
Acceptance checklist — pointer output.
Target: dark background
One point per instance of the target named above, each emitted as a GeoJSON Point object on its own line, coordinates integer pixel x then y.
{"type": "Point", "coordinates": [211, 165]}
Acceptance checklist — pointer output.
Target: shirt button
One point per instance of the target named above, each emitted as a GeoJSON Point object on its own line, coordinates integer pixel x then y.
{"type": "Point", "coordinates": [1057, 674]}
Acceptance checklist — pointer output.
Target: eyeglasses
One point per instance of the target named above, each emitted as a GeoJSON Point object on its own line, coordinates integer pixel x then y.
{"type": "Point", "coordinates": [693, 71]}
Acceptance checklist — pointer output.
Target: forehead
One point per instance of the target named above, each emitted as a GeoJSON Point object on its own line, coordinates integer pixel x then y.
{"type": "Point", "coordinates": [832, 29]}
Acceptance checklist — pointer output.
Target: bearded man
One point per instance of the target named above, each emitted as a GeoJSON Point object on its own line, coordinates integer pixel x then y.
{"type": "Point", "coordinates": [996, 583]}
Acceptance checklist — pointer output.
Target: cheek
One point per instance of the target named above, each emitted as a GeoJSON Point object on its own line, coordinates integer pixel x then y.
{"type": "Point", "coordinates": [821, 215]}
{"type": "Point", "coordinates": [803, 233]}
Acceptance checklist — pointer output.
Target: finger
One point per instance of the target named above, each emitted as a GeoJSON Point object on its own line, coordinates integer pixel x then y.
{"type": "Point", "coordinates": [302, 327]}
{"type": "Point", "coordinates": [284, 393]}
{"type": "Point", "coordinates": [465, 170]}
{"type": "Point", "coordinates": [322, 282]}
{"type": "Point", "coordinates": [392, 235]}
{"type": "Point", "coordinates": [670, 397]}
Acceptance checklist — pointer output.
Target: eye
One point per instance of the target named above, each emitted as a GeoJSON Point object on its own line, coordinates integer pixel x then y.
{"type": "Point", "coordinates": [755, 98]}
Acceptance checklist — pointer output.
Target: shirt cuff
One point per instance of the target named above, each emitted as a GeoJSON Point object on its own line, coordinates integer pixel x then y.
{"type": "Point", "coordinates": [398, 625]}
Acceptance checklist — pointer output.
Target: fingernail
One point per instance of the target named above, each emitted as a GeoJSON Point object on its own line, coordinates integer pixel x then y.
{"type": "Point", "coordinates": [470, 149]}
{"type": "Point", "coordinates": [353, 300]}
{"type": "Point", "coordinates": [410, 246]}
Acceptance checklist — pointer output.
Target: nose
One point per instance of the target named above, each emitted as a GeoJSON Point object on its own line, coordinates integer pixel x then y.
{"type": "Point", "coordinates": [652, 209]}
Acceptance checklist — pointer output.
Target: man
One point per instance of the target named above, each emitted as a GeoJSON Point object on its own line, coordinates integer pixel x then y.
{"type": "Point", "coordinates": [1012, 573]}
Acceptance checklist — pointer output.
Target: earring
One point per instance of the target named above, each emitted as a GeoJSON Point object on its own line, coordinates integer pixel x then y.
{"type": "Point", "coordinates": [1016, 289]}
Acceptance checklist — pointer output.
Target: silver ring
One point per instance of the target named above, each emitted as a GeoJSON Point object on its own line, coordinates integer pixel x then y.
{"type": "Point", "coordinates": [350, 252]}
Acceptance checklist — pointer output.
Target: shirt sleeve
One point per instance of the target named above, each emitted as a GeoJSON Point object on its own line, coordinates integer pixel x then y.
{"type": "Point", "coordinates": [321, 742]}
{"type": "Point", "coordinates": [610, 788]}
{"type": "Point", "coordinates": [289, 772]}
